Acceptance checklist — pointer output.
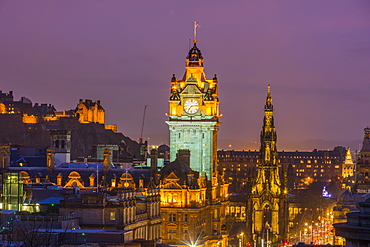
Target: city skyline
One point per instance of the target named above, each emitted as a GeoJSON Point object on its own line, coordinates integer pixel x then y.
{"type": "Point", "coordinates": [315, 55]}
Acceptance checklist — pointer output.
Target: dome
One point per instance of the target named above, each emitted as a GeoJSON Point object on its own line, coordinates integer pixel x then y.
{"type": "Point", "coordinates": [194, 57]}
{"type": "Point", "coordinates": [163, 147]}
{"type": "Point", "coordinates": [346, 197]}
{"type": "Point", "coordinates": [180, 168]}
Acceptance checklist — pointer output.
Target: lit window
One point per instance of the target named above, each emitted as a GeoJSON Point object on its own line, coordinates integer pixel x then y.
{"type": "Point", "coordinates": [112, 215]}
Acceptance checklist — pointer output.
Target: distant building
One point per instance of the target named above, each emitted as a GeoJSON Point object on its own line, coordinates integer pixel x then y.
{"type": "Point", "coordinates": [90, 112]}
{"type": "Point", "coordinates": [363, 165]}
{"type": "Point", "coordinates": [303, 167]}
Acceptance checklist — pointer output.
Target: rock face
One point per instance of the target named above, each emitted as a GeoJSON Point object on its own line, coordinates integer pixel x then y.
{"type": "Point", "coordinates": [83, 135]}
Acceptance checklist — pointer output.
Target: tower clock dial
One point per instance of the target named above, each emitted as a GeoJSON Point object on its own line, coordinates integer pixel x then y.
{"type": "Point", "coordinates": [191, 106]}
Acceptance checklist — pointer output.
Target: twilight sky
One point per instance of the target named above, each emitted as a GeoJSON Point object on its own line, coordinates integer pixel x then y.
{"type": "Point", "coordinates": [314, 54]}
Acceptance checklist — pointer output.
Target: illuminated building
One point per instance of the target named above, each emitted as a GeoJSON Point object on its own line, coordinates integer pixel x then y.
{"type": "Point", "coordinates": [193, 214]}
{"type": "Point", "coordinates": [193, 190]}
{"type": "Point", "coordinates": [348, 166]}
{"type": "Point", "coordinates": [100, 195]}
{"type": "Point", "coordinates": [193, 115]}
{"type": "Point", "coordinates": [12, 193]}
{"type": "Point", "coordinates": [90, 112]}
{"type": "Point", "coordinates": [267, 201]}
{"type": "Point", "coordinates": [363, 165]}
{"type": "Point", "coordinates": [86, 111]}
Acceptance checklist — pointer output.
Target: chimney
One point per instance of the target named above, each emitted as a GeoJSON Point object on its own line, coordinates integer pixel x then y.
{"type": "Point", "coordinates": [153, 161]}
{"type": "Point", "coordinates": [5, 153]}
{"type": "Point", "coordinates": [106, 162]}
{"type": "Point", "coordinates": [50, 158]}
{"type": "Point", "coordinates": [184, 155]}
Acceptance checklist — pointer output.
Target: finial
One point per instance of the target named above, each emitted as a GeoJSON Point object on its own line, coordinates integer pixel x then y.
{"type": "Point", "coordinates": [268, 99]}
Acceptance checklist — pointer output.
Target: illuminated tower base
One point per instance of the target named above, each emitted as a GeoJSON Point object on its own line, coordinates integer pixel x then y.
{"type": "Point", "coordinates": [200, 138]}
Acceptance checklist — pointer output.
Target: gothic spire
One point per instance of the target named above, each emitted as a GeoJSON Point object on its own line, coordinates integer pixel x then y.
{"type": "Point", "coordinates": [268, 152]}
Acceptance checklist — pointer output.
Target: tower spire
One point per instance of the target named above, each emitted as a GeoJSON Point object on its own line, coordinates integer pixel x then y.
{"type": "Point", "coordinates": [267, 203]}
{"type": "Point", "coordinates": [268, 152]}
{"type": "Point", "coordinates": [268, 105]}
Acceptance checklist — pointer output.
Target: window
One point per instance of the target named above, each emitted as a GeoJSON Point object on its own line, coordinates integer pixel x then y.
{"type": "Point", "coordinates": [112, 215]}
{"type": "Point", "coordinates": [185, 217]}
{"type": "Point", "coordinates": [172, 217]}
{"type": "Point", "coordinates": [172, 234]}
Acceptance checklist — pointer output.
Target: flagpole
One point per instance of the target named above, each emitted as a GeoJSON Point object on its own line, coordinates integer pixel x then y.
{"type": "Point", "coordinates": [195, 31]}
{"type": "Point", "coordinates": [196, 24]}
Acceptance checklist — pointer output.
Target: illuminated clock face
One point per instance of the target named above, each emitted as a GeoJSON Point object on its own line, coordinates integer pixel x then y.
{"type": "Point", "coordinates": [191, 106]}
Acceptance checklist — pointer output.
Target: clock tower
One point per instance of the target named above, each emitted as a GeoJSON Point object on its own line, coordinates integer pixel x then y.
{"type": "Point", "coordinates": [193, 115]}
